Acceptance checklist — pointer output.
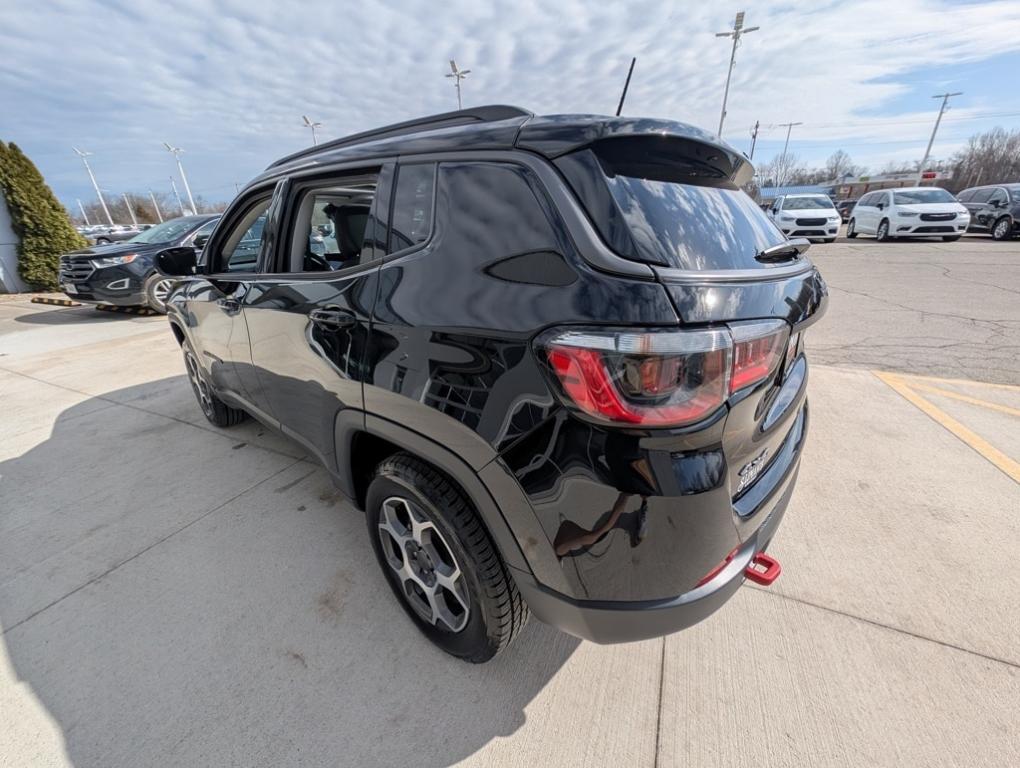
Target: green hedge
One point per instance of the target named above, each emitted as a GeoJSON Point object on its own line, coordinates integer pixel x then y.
{"type": "Point", "coordinates": [38, 219]}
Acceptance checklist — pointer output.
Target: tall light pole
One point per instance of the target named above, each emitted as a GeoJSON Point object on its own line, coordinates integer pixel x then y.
{"type": "Point", "coordinates": [313, 126]}
{"type": "Point", "coordinates": [457, 75]}
{"type": "Point", "coordinates": [159, 214]}
{"type": "Point", "coordinates": [83, 214]}
{"type": "Point", "coordinates": [945, 100]}
{"type": "Point", "coordinates": [84, 158]}
{"type": "Point", "coordinates": [173, 185]}
{"type": "Point", "coordinates": [176, 151]}
{"type": "Point", "coordinates": [131, 211]}
{"type": "Point", "coordinates": [736, 33]}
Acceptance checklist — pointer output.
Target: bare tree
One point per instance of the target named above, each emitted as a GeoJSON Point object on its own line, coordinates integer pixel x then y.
{"type": "Point", "coordinates": [781, 170]}
{"type": "Point", "coordinates": [990, 157]}
{"type": "Point", "coordinates": [839, 165]}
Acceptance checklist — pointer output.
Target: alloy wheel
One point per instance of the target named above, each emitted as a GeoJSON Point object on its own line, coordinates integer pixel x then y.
{"type": "Point", "coordinates": [1001, 229]}
{"type": "Point", "coordinates": [160, 291]}
{"type": "Point", "coordinates": [883, 230]}
{"type": "Point", "coordinates": [198, 383]}
{"type": "Point", "coordinates": [430, 577]}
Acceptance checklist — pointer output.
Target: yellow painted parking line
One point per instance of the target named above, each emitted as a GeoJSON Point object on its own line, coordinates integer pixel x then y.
{"type": "Point", "coordinates": [965, 382]}
{"type": "Point", "coordinates": [1004, 463]}
{"type": "Point", "coordinates": [965, 398]}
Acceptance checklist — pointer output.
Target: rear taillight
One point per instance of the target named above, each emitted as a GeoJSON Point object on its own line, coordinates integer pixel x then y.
{"type": "Point", "coordinates": [664, 377]}
{"type": "Point", "coordinates": [757, 350]}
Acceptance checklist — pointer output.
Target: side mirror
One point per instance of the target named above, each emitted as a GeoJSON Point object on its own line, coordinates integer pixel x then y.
{"type": "Point", "coordinates": [880, 206]}
{"type": "Point", "coordinates": [200, 241]}
{"type": "Point", "coordinates": [177, 262]}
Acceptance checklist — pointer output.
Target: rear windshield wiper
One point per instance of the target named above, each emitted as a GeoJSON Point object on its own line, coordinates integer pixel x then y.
{"type": "Point", "coordinates": [788, 251]}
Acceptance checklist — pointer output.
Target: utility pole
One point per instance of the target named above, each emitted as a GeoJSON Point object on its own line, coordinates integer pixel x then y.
{"type": "Point", "coordinates": [789, 128]}
{"type": "Point", "coordinates": [177, 194]}
{"type": "Point", "coordinates": [155, 205]}
{"type": "Point", "coordinates": [736, 33]}
{"type": "Point", "coordinates": [83, 214]}
{"type": "Point", "coordinates": [626, 85]}
{"type": "Point", "coordinates": [176, 151]}
{"type": "Point", "coordinates": [313, 126]}
{"type": "Point", "coordinates": [84, 158]}
{"type": "Point", "coordinates": [945, 100]}
{"type": "Point", "coordinates": [131, 211]}
{"type": "Point", "coordinates": [457, 75]}
{"type": "Point", "coordinates": [754, 138]}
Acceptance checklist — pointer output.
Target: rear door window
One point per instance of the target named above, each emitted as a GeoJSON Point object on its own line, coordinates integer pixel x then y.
{"type": "Point", "coordinates": [412, 206]}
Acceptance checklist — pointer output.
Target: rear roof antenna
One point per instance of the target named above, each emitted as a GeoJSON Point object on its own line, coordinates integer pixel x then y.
{"type": "Point", "coordinates": [626, 85]}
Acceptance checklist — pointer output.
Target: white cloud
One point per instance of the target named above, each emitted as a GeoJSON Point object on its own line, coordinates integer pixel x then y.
{"type": "Point", "coordinates": [229, 81]}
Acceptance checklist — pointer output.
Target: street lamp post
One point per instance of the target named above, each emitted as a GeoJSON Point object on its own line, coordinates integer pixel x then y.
{"type": "Point", "coordinates": [173, 185]}
{"type": "Point", "coordinates": [176, 151]}
{"type": "Point", "coordinates": [457, 75]}
{"type": "Point", "coordinates": [736, 33]}
{"type": "Point", "coordinates": [159, 214]}
{"type": "Point", "coordinates": [84, 158]}
{"type": "Point", "coordinates": [945, 100]}
{"type": "Point", "coordinates": [313, 126]}
{"type": "Point", "coordinates": [131, 211]}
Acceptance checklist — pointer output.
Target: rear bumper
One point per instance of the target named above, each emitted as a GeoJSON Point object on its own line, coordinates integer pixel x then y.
{"type": "Point", "coordinates": [622, 622]}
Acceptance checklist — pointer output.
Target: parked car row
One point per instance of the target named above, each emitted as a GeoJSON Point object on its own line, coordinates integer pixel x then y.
{"type": "Point", "coordinates": [903, 212]}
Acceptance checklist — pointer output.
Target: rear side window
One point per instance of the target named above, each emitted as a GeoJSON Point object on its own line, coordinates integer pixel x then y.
{"type": "Point", "coordinates": [412, 206]}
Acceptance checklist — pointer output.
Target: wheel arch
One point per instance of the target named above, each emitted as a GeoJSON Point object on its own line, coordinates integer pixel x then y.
{"type": "Point", "coordinates": [363, 441]}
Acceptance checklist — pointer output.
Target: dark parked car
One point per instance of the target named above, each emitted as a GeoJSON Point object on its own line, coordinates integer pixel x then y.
{"type": "Point", "coordinates": [124, 274]}
{"type": "Point", "coordinates": [994, 209]}
{"type": "Point", "coordinates": [558, 361]}
{"type": "Point", "coordinates": [843, 207]}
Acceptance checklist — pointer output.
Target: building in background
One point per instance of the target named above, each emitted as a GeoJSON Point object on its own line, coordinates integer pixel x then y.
{"type": "Point", "coordinates": [9, 280]}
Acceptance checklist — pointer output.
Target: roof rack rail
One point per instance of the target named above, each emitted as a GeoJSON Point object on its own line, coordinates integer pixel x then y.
{"type": "Point", "coordinates": [486, 114]}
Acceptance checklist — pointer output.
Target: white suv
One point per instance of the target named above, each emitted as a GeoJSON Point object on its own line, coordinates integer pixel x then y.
{"type": "Point", "coordinates": [909, 211]}
{"type": "Point", "coordinates": [810, 216]}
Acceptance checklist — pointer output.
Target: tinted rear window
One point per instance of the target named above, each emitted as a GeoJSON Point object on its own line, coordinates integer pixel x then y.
{"type": "Point", "coordinates": [693, 227]}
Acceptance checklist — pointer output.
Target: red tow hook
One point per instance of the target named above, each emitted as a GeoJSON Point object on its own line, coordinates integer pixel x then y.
{"type": "Point", "coordinates": [763, 569]}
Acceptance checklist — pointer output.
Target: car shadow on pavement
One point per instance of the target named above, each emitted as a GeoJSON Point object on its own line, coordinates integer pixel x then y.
{"type": "Point", "coordinates": [75, 316]}
{"type": "Point", "coordinates": [172, 594]}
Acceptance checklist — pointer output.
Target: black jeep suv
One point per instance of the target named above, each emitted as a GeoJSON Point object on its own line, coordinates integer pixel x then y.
{"type": "Point", "coordinates": [558, 361]}
{"type": "Point", "coordinates": [124, 274]}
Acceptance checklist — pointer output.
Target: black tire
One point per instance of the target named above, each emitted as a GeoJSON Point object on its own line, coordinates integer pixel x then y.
{"type": "Point", "coordinates": [850, 231]}
{"type": "Point", "coordinates": [215, 410]}
{"type": "Point", "coordinates": [950, 238]}
{"type": "Point", "coordinates": [1002, 229]}
{"type": "Point", "coordinates": [882, 231]}
{"type": "Point", "coordinates": [487, 600]}
{"type": "Point", "coordinates": [157, 288]}
{"type": "Point", "coordinates": [102, 241]}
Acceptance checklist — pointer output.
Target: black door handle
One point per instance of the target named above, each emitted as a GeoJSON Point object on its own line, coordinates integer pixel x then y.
{"type": "Point", "coordinates": [333, 319]}
{"type": "Point", "coordinates": [230, 306]}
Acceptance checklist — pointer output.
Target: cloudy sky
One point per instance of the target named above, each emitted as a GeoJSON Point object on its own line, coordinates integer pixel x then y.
{"type": "Point", "coordinates": [228, 81]}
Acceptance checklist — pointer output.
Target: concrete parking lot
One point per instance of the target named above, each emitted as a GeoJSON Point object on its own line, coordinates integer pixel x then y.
{"type": "Point", "coordinates": [175, 594]}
